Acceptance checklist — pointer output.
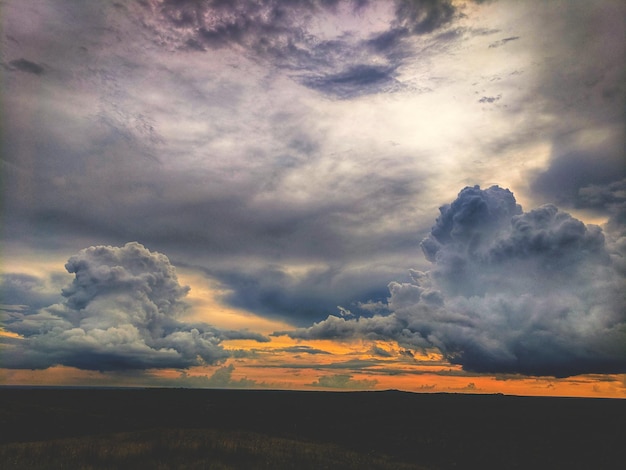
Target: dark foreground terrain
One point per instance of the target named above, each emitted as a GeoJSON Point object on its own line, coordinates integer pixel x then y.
{"type": "Point", "coordinates": [227, 429]}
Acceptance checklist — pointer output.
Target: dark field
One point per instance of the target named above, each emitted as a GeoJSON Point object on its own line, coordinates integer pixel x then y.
{"type": "Point", "coordinates": [226, 429]}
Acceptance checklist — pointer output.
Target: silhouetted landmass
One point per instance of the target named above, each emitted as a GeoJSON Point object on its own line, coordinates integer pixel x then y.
{"type": "Point", "coordinates": [341, 430]}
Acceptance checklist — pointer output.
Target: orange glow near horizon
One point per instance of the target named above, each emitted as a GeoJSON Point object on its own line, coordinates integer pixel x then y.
{"type": "Point", "coordinates": [611, 386]}
{"type": "Point", "coordinates": [285, 363]}
{"type": "Point", "coordinates": [422, 372]}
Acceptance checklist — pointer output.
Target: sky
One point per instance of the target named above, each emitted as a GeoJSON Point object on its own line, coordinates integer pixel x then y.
{"type": "Point", "coordinates": [424, 195]}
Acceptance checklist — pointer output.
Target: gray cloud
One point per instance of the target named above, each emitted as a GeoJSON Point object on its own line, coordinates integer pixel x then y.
{"type": "Point", "coordinates": [282, 33]}
{"type": "Point", "coordinates": [103, 175]}
{"type": "Point", "coordinates": [25, 65]}
{"type": "Point", "coordinates": [537, 293]}
{"type": "Point", "coordinates": [221, 378]}
{"type": "Point", "coordinates": [502, 42]}
{"type": "Point", "coordinates": [344, 381]}
{"type": "Point", "coordinates": [302, 349]}
{"type": "Point", "coordinates": [584, 99]}
{"type": "Point", "coordinates": [423, 16]}
{"type": "Point", "coordinates": [274, 292]}
{"type": "Point", "coordinates": [122, 311]}
{"type": "Point", "coordinates": [30, 291]}
{"type": "Point", "coordinates": [568, 173]}
{"type": "Point", "coordinates": [380, 352]}
{"type": "Point", "coordinates": [490, 99]}
{"type": "Point", "coordinates": [355, 81]}
{"type": "Point", "coordinates": [224, 163]}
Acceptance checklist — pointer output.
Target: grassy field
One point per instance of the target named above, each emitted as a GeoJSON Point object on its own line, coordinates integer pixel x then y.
{"type": "Point", "coordinates": [228, 429]}
{"type": "Point", "coordinates": [188, 449]}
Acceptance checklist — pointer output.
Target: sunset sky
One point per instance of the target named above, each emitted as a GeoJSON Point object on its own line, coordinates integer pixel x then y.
{"type": "Point", "coordinates": [423, 195]}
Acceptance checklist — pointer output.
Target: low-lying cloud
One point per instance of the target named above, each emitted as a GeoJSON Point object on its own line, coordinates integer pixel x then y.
{"type": "Point", "coordinates": [122, 311]}
{"type": "Point", "coordinates": [538, 292]}
{"type": "Point", "coordinates": [344, 382]}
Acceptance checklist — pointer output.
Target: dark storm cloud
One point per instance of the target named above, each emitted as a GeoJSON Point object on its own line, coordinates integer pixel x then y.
{"type": "Point", "coordinates": [121, 311]}
{"type": "Point", "coordinates": [585, 98]}
{"type": "Point", "coordinates": [537, 292]}
{"type": "Point", "coordinates": [281, 33]}
{"type": "Point", "coordinates": [273, 292]}
{"type": "Point", "coordinates": [610, 198]}
{"type": "Point", "coordinates": [29, 291]}
{"type": "Point", "coordinates": [569, 173]}
{"type": "Point", "coordinates": [210, 215]}
{"type": "Point", "coordinates": [603, 196]}
{"type": "Point", "coordinates": [85, 163]}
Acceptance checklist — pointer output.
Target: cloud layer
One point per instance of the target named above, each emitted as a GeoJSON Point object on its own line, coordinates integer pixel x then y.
{"type": "Point", "coordinates": [122, 311]}
{"type": "Point", "coordinates": [294, 152]}
{"type": "Point", "coordinates": [341, 59]}
{"type": "Point", "coordinates": [536, 292]}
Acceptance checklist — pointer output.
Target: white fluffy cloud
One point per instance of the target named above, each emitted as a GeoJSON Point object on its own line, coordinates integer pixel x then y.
{"type": "Point", "coordinates": [534, 292]}
{"type": "Point", "coordinates": [122, 311]}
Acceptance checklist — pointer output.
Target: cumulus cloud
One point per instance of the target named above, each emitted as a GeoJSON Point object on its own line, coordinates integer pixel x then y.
{"type": "Point", "coordinates": [122, 311]}
{"type": "Point", "coordinates": [221, 378]}
{"type": "Point", "coordinates": [536, 292]}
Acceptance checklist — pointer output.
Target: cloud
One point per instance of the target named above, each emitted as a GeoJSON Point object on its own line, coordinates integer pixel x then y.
{"type": "Point", "coordinates": [355, 81]}
{"type": "Point", "coordinates": [423, 16]}
{"type": "Point", "coordinates": [502, 42]}
{"type": "Point", "coordinates": [536, 292]}
{"type": "Point", "coordinates": [610, 198]}
{"type": "Point", "coordinates": [303, 297]}
{"type": "Point", "coordinates": [343, 381]}
{"type": "Point", "coordinates": [302, 349]}
{"type": "Point", "coordinates": [204, 144]}
{"type": "Point", "coordinates": [287, 35]}
{"type": "Point", "coordinates": [490, 99]}
{"type": "Point", "coordinates": [583, 99]}
{"type": "Point", "coordinates": [223, 378]}
{"type": "Point", "coordinates": [286, 217]}
{"type": "Point", "coordinates": [30, 291]}
{"type": "Point", "coordinates": [24, 65]}
{"type": "Point", "coordinates": [380, 352]}
{"type": "Point", "coordinates": [122, 311]}
{"type": "Point", "coordinates": [582, 167]}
